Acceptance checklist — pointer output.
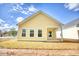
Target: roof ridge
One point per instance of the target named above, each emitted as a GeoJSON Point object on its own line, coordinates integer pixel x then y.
{"type": "Point", "coordinates": [71, 23]}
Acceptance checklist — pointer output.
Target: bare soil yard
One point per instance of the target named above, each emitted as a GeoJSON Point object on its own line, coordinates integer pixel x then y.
{"type": "Point", "coordinates": [27, 48]}
{"type": "Point", "coordinates": [39, 45]}
{"type": "Point", "coordinates": [37, 52]}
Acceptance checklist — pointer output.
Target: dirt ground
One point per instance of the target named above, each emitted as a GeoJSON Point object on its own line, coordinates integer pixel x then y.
{"type": "Point", "coordinates": [39, 45]}
{"type": "Point", "coordinates": [24, 48]}
{"type": "Point", "coordinates": [37, 52]}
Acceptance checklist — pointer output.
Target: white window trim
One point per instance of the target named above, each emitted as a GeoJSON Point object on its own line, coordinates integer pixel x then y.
{"type": "Point", "coordinates": [42, 33]}
{"type": "Point", "coordinates": [21, 32]}
{"type": "Point", "coordinates": [35, 32]}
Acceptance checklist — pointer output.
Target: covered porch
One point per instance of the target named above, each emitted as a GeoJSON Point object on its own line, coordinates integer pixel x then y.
{"type": "Point", "coordinates": [51, 33]}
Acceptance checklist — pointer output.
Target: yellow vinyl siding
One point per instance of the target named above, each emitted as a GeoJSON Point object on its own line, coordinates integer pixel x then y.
{"type": "Point", "coordinates": [38, 22]}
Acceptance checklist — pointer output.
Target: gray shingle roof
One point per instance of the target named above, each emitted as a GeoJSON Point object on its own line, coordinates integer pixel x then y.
{"type": "Point", "coordinates": [72, 23]}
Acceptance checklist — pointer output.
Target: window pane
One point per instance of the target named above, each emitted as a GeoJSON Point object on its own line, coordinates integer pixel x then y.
{"type": "Point", "coordinates": [23, 32]}
{"type": "Point", "coordinates": [23, 35]}
{"type": "Point", "coordinates": [39, 33]}
{"type": "Point", "coordinates": [31, 33]}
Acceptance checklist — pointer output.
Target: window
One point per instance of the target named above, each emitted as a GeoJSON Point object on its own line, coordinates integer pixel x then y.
{"type": "Point", "coordinates": [23, 32]}
{"type": "Point", "coordinates": [39, 33]}
{"type": "Point", "coordinates": [31, 33]}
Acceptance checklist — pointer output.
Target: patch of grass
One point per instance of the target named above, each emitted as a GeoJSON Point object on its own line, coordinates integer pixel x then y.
{"type": "Point", "coordinates": [38, 45]}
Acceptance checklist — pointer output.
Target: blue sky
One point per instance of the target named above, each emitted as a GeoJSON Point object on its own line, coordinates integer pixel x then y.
{"type": "Point", "coordinates": [11, 14]}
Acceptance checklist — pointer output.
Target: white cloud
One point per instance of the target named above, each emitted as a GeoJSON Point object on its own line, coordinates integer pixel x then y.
{"type": "Point", "coordinates": [19, 19]}
{"type": "Point", "coordinates": [24, 10]}
{"type": "Point", "coordinates": [2, 21]}
{"type": "Point", "coordinates": [72, 6]}
{"type": "Point", "coordinates": [12, 16]}
{"type": "Point", "coordinates": [32, 8]}
{"type": "Point", "coordinates": [5, 26]}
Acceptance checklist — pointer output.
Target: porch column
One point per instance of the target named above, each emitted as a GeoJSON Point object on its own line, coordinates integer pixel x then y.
{"type": "Point", "coordinates": [61, 32]}
{"type": "Point", "coordinates": [54, 34]}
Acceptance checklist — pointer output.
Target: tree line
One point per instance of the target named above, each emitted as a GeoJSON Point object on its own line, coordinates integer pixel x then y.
{"type": "Point", "coordinates": [11, 32]}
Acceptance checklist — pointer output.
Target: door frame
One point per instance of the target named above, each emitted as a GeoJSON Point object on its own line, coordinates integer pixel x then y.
{"type": "Point", "coordinates": [49, 30]}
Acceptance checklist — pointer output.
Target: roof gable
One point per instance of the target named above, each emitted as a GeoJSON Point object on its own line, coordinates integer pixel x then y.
{"type": "Point", "coordinates": [39, 12]}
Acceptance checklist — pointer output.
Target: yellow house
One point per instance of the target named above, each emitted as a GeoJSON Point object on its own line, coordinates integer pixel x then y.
{"type": "Point", "coordinates": [39, 26]}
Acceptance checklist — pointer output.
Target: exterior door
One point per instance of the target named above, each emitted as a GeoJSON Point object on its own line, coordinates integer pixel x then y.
{"type": "Point", "coordinates": [50, 35]}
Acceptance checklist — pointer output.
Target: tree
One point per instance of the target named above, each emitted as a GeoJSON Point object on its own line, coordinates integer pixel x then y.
{"type": "Point", "coordinates": [13, 32]}
{"type": "Point", "coordinates": [0, 33]}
